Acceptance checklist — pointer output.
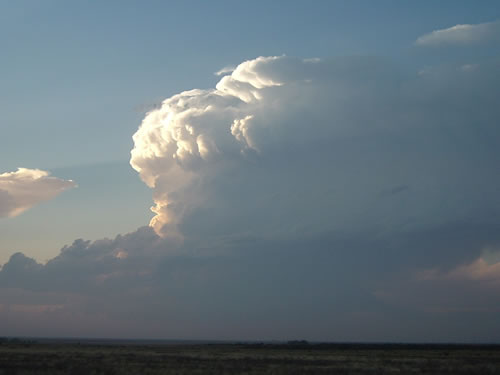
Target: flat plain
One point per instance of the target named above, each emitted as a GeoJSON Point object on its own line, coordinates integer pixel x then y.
{"type": "Point", "coordinates": [54, 358]}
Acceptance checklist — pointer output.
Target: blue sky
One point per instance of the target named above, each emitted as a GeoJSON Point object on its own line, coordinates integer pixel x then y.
{"type": "Point", "coordinates": [101, 64]}
{"type": "Point", "coordinates": [384, 141]}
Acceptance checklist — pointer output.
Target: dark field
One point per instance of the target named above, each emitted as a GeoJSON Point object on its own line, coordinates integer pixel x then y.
{"type": "Point", "coordinates": [94, 358]}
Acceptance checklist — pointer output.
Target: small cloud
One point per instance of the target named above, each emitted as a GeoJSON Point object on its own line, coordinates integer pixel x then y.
{"type": "Point", "coordinates": [25, 188]}
{"type": "Point", "coordinates": [225, 70]}
{"type": "Point", "coordinates": [468, 67]}
{"type": "Point", "coordinates": [466, 34]}
{"type": "Point", "coordinates": [313, 60]}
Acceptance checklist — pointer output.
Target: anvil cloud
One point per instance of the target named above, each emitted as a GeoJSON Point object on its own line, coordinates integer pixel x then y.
{"type": "Point", "coordinates": [284, 145]}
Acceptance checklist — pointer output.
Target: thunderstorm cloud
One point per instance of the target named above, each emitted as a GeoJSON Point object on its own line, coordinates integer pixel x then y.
{"type": "Point", "coordinates": [285, 145]}
{"type": "Point", "coordinates": [326, 199]}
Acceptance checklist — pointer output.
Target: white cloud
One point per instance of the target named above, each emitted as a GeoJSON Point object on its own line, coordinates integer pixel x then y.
{"type": "Point", "coordinates": [462, 35]}
{"type": "Point", "coordinates": [224, 71]}
{"type": "Point", "coordinates": [25, 188]}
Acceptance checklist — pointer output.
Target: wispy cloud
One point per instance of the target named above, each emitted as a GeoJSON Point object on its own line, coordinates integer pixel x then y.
{"type": "Point", "coordinates": [466, 34]}
{"type": "Point", "coordinates": [478, 271]}
{"type": "Point", "coordinates": [226, 70]}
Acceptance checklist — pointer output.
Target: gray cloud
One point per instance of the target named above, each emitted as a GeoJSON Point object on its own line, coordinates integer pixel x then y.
{"type": "Point", "coordinates": [323, 287]}
{"type": "Point", "coordinates": [458, 297]}
{"type": "Point", "coordinates": [462, 35]}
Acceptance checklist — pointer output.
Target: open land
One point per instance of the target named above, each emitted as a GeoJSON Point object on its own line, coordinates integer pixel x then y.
{"type": "Point", "coordinates": [19, 357]}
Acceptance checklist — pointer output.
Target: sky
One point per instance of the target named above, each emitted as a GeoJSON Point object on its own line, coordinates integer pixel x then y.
{"type": "Point", "coordinates": [325, 170]}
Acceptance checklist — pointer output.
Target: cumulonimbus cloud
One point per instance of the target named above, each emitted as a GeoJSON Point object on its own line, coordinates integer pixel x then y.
{"type": "Point", "coordinates": [266, 106]}
{"type": "Point", "coordinates": [25, 188]}
{"type": "Point", "coordinates": [194, 129]}
{"type": "Point", "coordinates": [272, 148]}
{"type": "Point", "coordinates": [466, 34]}
{"type": "Point", "coordinates": [198, 134]}
{"type": "Point", "coordinates": [346, 186]}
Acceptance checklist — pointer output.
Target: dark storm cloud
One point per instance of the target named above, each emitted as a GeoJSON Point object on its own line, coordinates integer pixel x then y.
{"type": "Point", "coordinates": [328, 286]}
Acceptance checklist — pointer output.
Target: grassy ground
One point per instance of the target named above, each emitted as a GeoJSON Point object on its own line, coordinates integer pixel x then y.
{"type": "Point", "coordinates": [71, 358]}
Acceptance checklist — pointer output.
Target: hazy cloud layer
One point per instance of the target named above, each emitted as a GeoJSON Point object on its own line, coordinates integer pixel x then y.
{"type": "Point", "coordinates": [458, 297]}
{"type": "Point", "coordinates": [462, 35]}
{"type": "Point", "coordinates": [26, 188]}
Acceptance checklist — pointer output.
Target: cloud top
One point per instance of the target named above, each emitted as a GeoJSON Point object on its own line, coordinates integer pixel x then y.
{"type": "Point", "coordinates": [466, 34]}
{"type": "Point", "coordinates": [194, 129]}
{"type": "Point", "coordinates": [25, 188]}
